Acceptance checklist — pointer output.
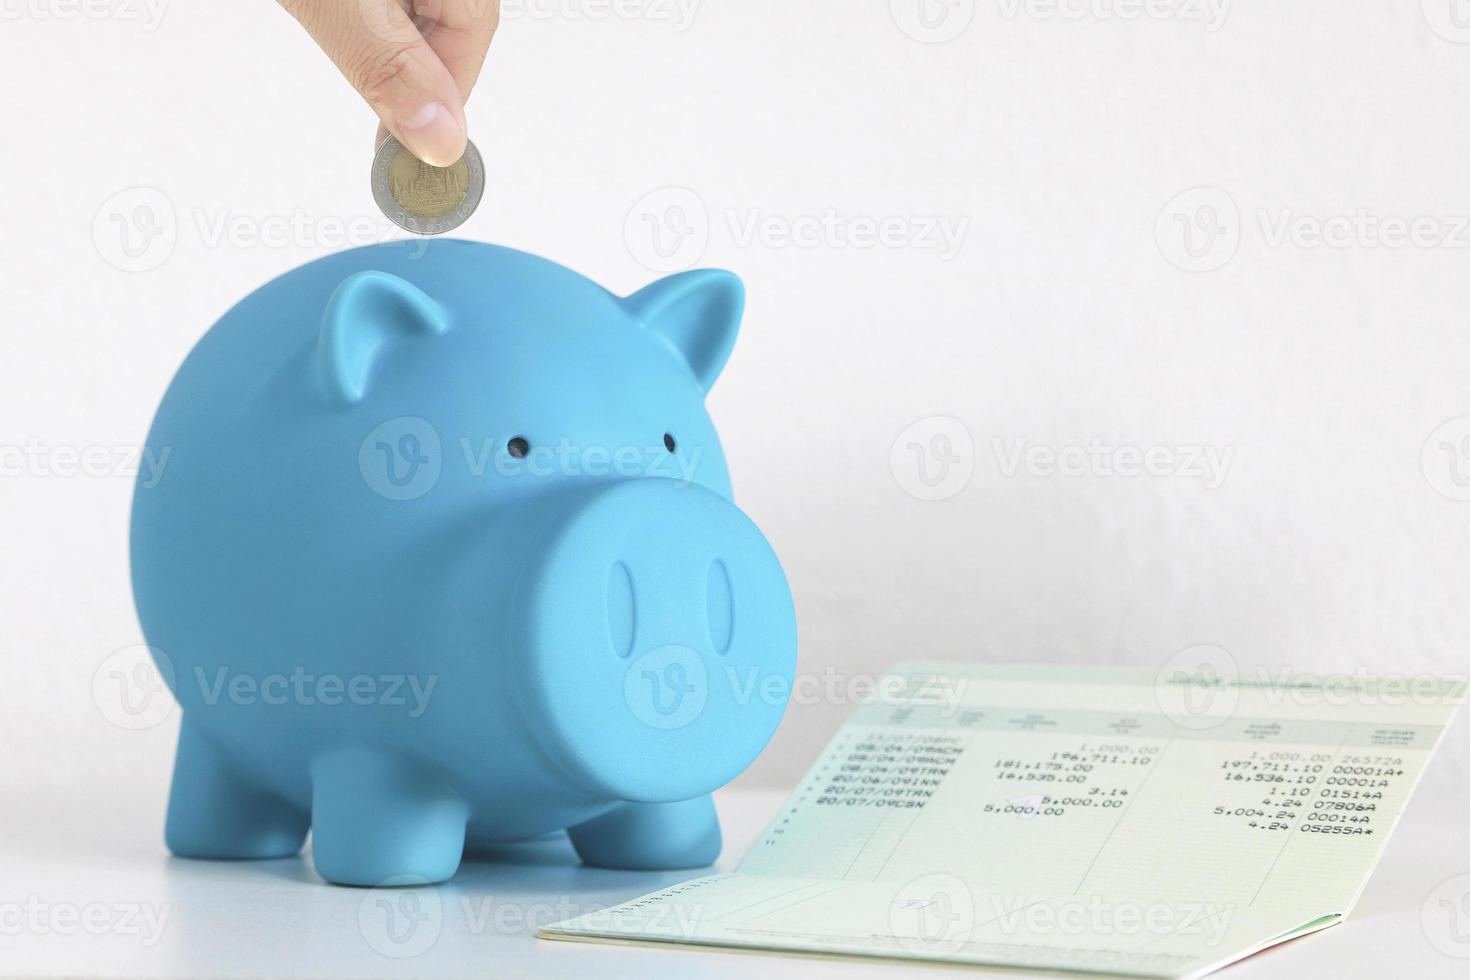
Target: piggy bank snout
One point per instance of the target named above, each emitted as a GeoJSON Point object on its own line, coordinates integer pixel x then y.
{"type": "Point", "coordinates": [657, 641]}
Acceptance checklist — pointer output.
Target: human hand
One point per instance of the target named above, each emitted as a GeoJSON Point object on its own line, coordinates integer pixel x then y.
{"type": "Point", "coordinates": [413, 61]}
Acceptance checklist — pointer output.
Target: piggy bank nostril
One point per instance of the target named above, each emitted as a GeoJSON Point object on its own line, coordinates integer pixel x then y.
{"type": "Point", "coordinates": [621, 614]}
{"type": "Point", "coordinates": [720, 604]}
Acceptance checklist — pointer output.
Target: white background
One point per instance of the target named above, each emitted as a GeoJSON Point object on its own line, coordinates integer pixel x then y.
{"type": "Point", "coordinates": [1082, 302]}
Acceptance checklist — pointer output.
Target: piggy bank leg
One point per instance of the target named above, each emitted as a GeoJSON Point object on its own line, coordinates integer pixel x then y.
{"type": "Point", "coordinates": [377, 819]}
{"type": "Point", "coordinates": [651, 836]}
{"type": "Point", "coordinates": [213, 813]}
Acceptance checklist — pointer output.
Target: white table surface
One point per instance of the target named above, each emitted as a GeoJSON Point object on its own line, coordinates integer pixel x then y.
{"type": "Point", "coordinates": [60, 864]}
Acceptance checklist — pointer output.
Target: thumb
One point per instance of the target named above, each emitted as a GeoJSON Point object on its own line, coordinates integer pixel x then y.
{"type": "Point", "coordinates": [377, 47]}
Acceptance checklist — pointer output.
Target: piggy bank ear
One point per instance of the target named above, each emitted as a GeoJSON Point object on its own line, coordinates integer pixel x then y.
{"type": "Point", "coordinates": [697, 313]}
{"type": "Point", "coordinates": [368, 311]}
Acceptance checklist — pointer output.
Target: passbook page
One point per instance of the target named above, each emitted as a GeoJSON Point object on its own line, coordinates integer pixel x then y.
{"type": "Point", "coordinates": [1109, 820]}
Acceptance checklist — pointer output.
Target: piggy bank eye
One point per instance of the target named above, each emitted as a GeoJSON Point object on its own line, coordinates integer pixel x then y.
{"type": "Point", "coordinates": [669, 442]}
{"type": "Point", "coordinates": [518, 447]}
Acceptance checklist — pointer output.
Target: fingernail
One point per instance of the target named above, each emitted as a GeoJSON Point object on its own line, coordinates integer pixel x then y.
{"type": "Point", "coordinates": [433, 135]}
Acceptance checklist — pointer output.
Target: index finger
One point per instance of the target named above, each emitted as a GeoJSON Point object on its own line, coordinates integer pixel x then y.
{"type": "Point", "coordinates": [460, 32]}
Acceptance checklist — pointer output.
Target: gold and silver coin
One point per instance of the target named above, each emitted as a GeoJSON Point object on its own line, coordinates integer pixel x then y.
{"type": "Point", "coordinates": [424, 199]}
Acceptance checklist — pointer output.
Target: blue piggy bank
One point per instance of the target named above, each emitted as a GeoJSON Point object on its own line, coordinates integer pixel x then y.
{"type": "Point", "coordinates": [445, 556]}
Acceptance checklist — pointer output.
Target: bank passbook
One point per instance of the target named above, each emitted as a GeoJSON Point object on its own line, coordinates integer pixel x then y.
{"type": "Point", "coordinates": [1159, 824]}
